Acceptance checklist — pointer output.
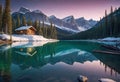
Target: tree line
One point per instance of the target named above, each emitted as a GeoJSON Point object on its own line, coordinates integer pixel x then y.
{"type": "Point", "coordinates": [6, 19]}
{"type": "Point", "coordinates": [8, 24]}
{"type": "Point", "coordinates": [48, 31]}
{"type": "Point", "coordinates": [108, 26]}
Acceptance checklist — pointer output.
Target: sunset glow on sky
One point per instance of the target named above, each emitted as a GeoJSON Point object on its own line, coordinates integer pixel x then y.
{"type": "Point", "coordinates": [61, 8]}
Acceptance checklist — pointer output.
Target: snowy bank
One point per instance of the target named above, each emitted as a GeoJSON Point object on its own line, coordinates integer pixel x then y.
{"type": "Point", "coordinates": [25, 38]}
{"type": "Point", "coordinates": [24, 44]}
{"type": "Point", "coordinates": [25, 41]}
{"type": "Point", "coordinates": [107, 39]}
{"type": "Point", "coordinates": [110, 39]}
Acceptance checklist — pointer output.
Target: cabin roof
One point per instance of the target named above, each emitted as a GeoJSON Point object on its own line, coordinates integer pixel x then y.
{"type": "Point", "coordinates": [24, 28]}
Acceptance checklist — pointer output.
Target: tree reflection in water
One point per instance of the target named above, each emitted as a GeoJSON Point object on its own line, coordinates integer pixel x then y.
{"type": "Point", "coordinates": [110, 62]}
{"type": "Point", "coordinates": [5, 64]}
{"type": "Point", "coordinates": [52, 53]}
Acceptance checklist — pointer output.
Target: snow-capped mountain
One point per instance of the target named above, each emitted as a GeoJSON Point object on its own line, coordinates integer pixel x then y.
{"type": "Point", "coordinates": [56, 20]}
{"type": "Point", "coordinates": [92, 22]}
{"type": "Point", "coordinates": [30, 15]}
{"type": "Point", "coordinates": [68, 23]}
{"type": "Point", "coordinates": [81, 23]}
{"type": "Point", "coordinates": [86, 24]}
{"type": "Point", "coordinates": [23, 10]}
{"type": "Point", "coordinates": [37, 11]}
{"type": "Point", "coordinates": [70, 20]}
{"type": "Point", "coordinates": [62, 23]}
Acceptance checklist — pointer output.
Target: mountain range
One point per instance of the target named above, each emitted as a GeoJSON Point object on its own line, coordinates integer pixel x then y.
{"type": "Point", "coordinates": [69, 24]}
{"type": "Point", "coordinates": [108, 26]}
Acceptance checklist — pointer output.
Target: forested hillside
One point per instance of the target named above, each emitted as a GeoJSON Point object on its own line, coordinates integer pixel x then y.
{"type": "Point", "coordinates": [108, 26]}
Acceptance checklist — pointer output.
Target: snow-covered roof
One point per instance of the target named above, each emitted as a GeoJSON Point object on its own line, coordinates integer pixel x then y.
{"type": "Point", "coordinates": [24, 28]}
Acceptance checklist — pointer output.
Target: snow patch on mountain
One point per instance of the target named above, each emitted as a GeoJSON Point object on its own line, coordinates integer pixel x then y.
{"type": "Point", "coordinates": [68, 23]}
{"type": "Point", "coordinates": [68, 19]}
{"type": "Point", "coordinates": [86, 24]}
{"type": "Point", "coordinates": [23, 10]}
{"type": "Point", "coordinates": [67, 29]}
{"type": "Point", "coordinates": [63, 28]}
{"type": "Point", "coordinates": [81, 28]}
{"type": "Point", "coordinates": [37, 11]}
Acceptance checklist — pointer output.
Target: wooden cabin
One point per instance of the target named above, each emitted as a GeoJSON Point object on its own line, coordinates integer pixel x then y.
{"type": "Point", "coordinates": [28, 30]}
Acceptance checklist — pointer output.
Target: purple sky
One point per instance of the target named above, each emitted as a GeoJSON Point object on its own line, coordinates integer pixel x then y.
{"type": "Point", "coordinates": [62, 8]}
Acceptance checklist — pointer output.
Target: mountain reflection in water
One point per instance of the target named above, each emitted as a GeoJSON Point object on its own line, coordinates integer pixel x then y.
{"type": "Point", "coordinates": [57, 62]}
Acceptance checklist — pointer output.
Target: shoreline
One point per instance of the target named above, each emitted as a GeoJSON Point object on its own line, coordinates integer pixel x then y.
{"type": "Point", "coordinates": [2, 42]}
{"type": "Point", "coordinates": [5, 42]}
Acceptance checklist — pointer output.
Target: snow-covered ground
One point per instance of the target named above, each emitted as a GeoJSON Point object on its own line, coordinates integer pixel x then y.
{"type": "Point", "coordinates": [106, 40]}
{"type": "Point", "coordinates": [25, 38]}
{"type": "Point", "coordinates": [24, 44]}
{"type": "Point", "coordinates": [26, 41]}
{"type": "Point", "coordinates": [110, 39]}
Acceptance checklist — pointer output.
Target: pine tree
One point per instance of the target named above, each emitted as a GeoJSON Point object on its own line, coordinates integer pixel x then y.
{"type": "Point", "coordinates": [104, 29]}
{"type": "Point", "coordinates": [4, 21]}
{"type": "Point", "coordinates": [101, 26]}
{"type": "Point", "coordinates": [18, 22]}
{"type": "Point", "coordinates": [111, 22]}
{"type": "Point", "coordinates": [111, 10]}
{"type": "Point", "coordinates": [55, 30]}
{"type": "Point", "coordinates": [0, 18]}
{"type": "Point", "coordinates": [7, 20]}
{"type": "Point", "coordinates": [118, 24]}
{"type": "Point", "coordinates": [36, 25]}
{"type": "Point", "coordinates": [46, 32]}
{"type": "Point", "coordinates": [51, 30]}
{"type": "Point", "coordinates": [10, 27]}
{"type": "Point", "coordinates": [24, 21]}
{"type": "Point", "coordinates": [106, 24]}
{"type": "Point", "coordinates": [13, 24]}
{"type": "Point", "coordinates": [40, 29]}
{"type": "Point", "coordinates": [29, 22]}
{"type": "Point", "coordinates": [115, 32]}
{"type": "Point", "coordinates": [43, 28]}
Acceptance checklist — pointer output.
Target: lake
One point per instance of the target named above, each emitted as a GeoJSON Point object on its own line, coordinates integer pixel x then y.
{"type": "Point", "coordinates": [57, 62]}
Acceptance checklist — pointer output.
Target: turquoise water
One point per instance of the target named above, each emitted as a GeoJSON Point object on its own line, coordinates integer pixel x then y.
{"type": "Point", "coordinates": [57, 62]}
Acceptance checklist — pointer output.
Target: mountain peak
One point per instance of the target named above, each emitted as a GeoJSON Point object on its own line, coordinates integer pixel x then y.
{"type": "Point", "coordinates": [82, 22]}
{"type": "Point", "coordinates": [71, 16]}
{"type": "Point", "coordinates": [69, 19]}
{"type": "Point", "coordinates": [37, 11]}
{"type": "Point", "coordinates": [81, 18]}
{"type": "Point", "coordinates": [66, 23]}
{"type": "Point", "coordinates": [23, 10]}
{"type": "Point", "coordinates": [52, 16]}
{"type": "Point", "coordinates": [91, 20]}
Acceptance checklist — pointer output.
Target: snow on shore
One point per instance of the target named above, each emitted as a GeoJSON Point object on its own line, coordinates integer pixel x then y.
{"type": "Point", "coordinates": [25, 38]}
{"type": "Point", "coordinates": [111, 39]}
{"type": "Point", "coordinates": [25, 44]}
{"type": "Point", "coordinates": [26, 41]}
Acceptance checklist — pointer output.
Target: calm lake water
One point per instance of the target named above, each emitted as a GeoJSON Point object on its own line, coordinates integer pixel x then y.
{"type": "Point", "coordinates": [56, 62]}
